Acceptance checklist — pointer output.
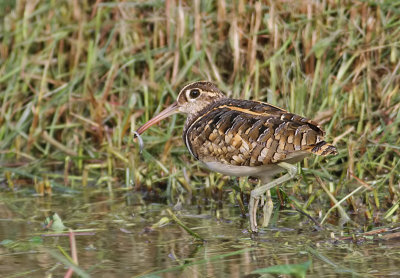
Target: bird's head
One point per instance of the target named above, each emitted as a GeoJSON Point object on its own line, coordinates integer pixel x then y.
{"type": "Point", "coordinates": [192, 98]}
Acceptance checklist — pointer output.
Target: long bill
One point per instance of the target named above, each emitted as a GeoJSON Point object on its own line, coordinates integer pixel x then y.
{"type": "Point", "coordinates": [170, 110]}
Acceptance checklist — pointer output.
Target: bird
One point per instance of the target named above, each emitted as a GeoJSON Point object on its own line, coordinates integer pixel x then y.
{"type": "Point", "coordinates": [238, 137]}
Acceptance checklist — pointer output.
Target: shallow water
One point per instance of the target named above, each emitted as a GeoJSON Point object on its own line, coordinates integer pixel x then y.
{"type": "Point", "coordinates": [122, 242]}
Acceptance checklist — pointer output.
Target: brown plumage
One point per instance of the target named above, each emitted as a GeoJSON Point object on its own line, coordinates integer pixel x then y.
{"type": "Point", "coordinates": [243, 137]}
{"type": "Point", "coordinates": [251, 133]}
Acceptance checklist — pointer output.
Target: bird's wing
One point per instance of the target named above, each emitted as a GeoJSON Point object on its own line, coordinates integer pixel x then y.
{"type": "Point", "coordinates": [251, 133]}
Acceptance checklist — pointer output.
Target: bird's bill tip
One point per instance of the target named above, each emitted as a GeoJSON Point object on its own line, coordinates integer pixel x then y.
{"type": "Point", "coordinates": [170, 110]}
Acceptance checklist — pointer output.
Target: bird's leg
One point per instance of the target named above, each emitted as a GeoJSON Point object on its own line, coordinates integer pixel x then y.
{"type": "Point", "coordinates": [253, 204]}
{"type": "Point", "coordinates": [268, 205]}
{"type": "Point", "coordinates": [267, 208]}
{"type": "Point", "coordinates": [259, 191]}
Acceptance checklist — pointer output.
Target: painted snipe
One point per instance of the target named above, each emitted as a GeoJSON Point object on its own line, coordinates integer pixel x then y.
{"type": "Point", "coordinates": [244, 138]}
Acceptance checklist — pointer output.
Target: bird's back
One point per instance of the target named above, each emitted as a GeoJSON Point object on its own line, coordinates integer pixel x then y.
{"type": "Point", "coordinates": [252, 133]}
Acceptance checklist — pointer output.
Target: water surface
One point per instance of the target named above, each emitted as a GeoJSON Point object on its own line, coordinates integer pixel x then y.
{"type": "Point", "coordinates": [125, 242]}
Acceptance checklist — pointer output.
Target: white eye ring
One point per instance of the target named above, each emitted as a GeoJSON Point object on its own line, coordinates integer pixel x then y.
{"type": "Point", "coordinates": [191, 95]}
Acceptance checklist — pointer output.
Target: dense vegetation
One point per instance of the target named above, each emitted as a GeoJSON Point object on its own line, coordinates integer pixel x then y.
{"type": "Point", "coordinates": [77, 77]}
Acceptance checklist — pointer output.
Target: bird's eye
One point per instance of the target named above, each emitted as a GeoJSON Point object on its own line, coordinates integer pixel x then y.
{"type": "Point", "coordinates": [194, 93]}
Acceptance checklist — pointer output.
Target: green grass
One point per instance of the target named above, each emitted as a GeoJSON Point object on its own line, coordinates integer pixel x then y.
{"type": "Point", "coordinates": [76, 80]}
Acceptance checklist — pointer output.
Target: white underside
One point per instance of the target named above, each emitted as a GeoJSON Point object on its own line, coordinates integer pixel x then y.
{"type": "Point", "coordinates": [264, 172]}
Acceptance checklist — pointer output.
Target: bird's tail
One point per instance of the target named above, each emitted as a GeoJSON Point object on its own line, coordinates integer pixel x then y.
{"type": "Point", "coordinates": [323, 148]}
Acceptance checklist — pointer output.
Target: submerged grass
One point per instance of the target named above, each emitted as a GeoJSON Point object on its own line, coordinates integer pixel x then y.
{"type": "Point", "coordinates": [78, 77]}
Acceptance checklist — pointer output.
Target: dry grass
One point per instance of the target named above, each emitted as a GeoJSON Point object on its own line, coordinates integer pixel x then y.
{"type": "Point", "coordinates": [76, 77]}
